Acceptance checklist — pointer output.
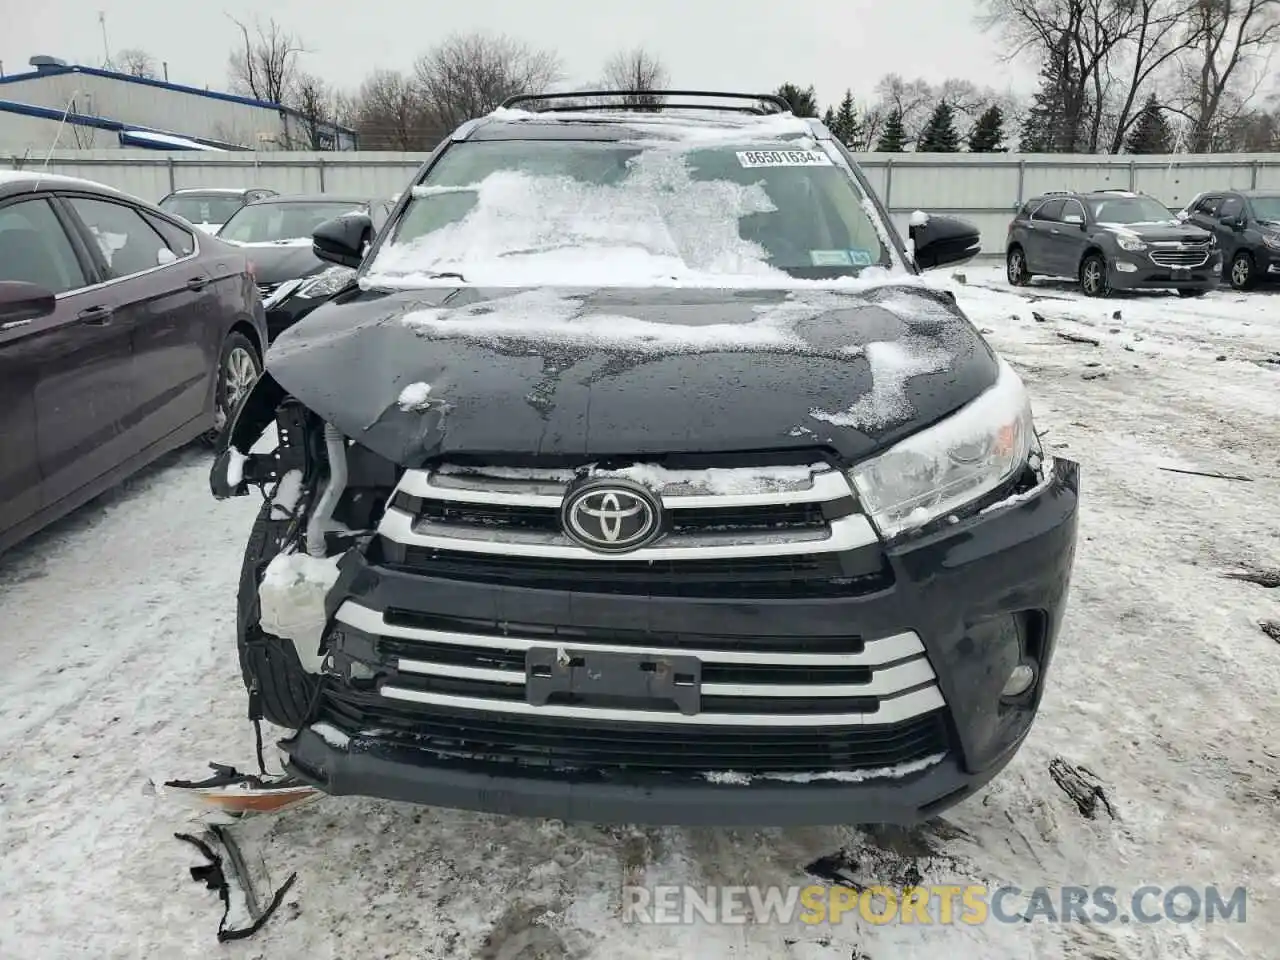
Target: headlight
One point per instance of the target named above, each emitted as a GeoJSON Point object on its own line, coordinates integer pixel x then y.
{"type": "Point", "coordinates": [326, 283]}
{"type": "Point", "coordinates": [939, 470]}
{"type": "Point", "coordinates": [1132, 244]}
{"type": "Point", "coordinates": [1271, 240]}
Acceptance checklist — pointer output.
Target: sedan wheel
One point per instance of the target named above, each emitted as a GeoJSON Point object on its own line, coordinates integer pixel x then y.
{"type": "Point", "coordinates": [238, 370]}
{"type": "Point", "coordinates": [1017, 268]}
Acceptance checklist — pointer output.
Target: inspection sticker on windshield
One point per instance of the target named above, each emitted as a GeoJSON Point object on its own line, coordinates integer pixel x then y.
{"type": "Point", "coordinates": [784, 158]}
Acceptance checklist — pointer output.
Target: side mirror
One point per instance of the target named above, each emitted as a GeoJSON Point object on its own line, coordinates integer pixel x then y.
{"type": "Point", "coordinates": [941, 240]}
{"type": "Point", "coordinates": [342, 239]}
{"type": "Point", "coordinates": [21, 301]}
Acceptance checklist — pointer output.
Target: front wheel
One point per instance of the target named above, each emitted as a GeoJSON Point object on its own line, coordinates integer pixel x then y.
{"type": "Point", "coordinates": [238, 369]}
{"type": "Point", "coordinates": [1016, 267]}
{"type": "Point", "coordinates": [1093, 276]}
{"type": "Point", "coordinates": [1243, 274]}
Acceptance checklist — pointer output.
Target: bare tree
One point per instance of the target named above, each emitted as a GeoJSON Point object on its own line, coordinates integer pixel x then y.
{"type": "Point", "coordinates": [1225, 70]}
{"type": "Point", "coordinates": [636, 70]}
{"type": "Point", "coordinates": [316, 105]}
{"type": "Point", "coordinates": [389, 114]}
{"type": "Point", "coordinates": [468, 75]}
{"type": "Point", "coordinates": [265, 64]}
{"type": "Point", "coordinates": [136, 63]}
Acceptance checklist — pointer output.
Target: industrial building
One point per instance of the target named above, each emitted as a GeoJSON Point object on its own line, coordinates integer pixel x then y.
{"type": "Point", "coordinates": [87, 108]}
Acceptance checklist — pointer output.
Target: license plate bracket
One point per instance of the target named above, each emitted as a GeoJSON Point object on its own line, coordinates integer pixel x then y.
{"type": "Point", "coordinates": [662, 679]}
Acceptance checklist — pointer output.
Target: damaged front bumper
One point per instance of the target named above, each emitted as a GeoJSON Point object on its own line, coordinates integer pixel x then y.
{"type": "Point", "coordinates": [981, 596]}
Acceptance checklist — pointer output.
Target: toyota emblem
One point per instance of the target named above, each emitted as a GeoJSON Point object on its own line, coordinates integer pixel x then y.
{"type": "Point", "coordinates": [611, 516]}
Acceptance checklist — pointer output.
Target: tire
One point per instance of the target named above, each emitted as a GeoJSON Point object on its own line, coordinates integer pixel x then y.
{"type": "Point", "coordinates": [239, 365]}
{"type": "Point", "coordinates": [1191, 292]}
{"type": "Point", "coordinates": [269, 664]}
{"type": "Point", "coordinates": [1244, 275]}
{"type": "Point", "coordinates": [1093, 276]}
{"type": "Point", "coordinates": [1016, 267]}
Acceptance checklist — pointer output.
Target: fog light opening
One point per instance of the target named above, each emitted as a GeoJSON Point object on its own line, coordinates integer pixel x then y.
{"type": "Point", "coordinates": [1021, 679]}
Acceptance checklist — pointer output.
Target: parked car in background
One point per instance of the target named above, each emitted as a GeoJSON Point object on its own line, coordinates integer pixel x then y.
{"type": "Point", "coordinates": [277, 234]}
{"type": "Point", "coordinates": [1247, 225]}
{"type": "Point", "coordinates": [1110, 240]}
{"type": "Point", "coordinates": [210, 207]}
{"type": "Point", "coordinates": [123, 334]}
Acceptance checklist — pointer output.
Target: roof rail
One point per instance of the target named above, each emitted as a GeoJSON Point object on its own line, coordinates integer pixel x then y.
{"type": "Point", "coordinates": [759, 101]}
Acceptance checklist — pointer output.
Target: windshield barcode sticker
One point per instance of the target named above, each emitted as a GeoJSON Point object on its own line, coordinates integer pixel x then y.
{"type": "Point", "coordinates": [784, 158]}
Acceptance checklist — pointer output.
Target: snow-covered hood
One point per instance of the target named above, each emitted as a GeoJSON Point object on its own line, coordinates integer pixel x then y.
{"type": "Point", "coordinates": [1161, 231]}
{"type": "Point", "coordinates": [592, 373]}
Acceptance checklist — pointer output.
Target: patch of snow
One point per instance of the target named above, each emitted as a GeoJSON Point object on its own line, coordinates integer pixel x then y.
{"type": "Point", "coordinates": [288, 493]}
{"type": "Point", "coordinates": [331, 735]}
{"type": "Point", "coordinates": [549, 315]}
{"type": "Point", "coordinates": [292, 596]}
{"type": "Point", "coordinates": [509, 473]}
{"type": "Point", "coordinates": [683, 128]}
{"type": "Point", "coordinates": [1047, 475]}
{"type": "Point", "coordinates": [919, 219]}
{"type": "Point", "coordinates": [416, 396]}
{"type": "Point", "coordinates": [235, 467]}
{"type": "Point", "coordinates": [838, 776]}
{"type": "Point", "coordinates": [716, 481]}
{"type": "Point", "coordinates": [893, 363]}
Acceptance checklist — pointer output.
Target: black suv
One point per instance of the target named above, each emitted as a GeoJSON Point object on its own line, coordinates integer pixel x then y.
{"type": "Point", "coordinates": [640, 478]}
{"type": "Point", "coordinates": [1247, 225]}
{"type": "Point", "coordinates": [1110, 240]}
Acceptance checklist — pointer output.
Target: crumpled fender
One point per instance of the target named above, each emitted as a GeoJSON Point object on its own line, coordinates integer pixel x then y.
{"type": "Point", "coordinates": [256, 412]}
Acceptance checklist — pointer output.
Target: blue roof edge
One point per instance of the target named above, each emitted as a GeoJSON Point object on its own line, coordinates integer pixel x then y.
{"type": "Point", "coordinates": [103, 123]}
{"type": "Point", "coordinates": [163, 85]}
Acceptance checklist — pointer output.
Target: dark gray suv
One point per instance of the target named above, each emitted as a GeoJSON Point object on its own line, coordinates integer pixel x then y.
{"type": "Point", "coordinates": [1247, 225]}
{"type": "Point", "coordinates": [1110, 240]}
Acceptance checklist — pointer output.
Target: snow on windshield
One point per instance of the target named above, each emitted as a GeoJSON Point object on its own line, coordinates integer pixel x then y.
{"type": "Point", "coordinates": [626, 214]}
{"type": "Point", "coordinates": [659, 222]}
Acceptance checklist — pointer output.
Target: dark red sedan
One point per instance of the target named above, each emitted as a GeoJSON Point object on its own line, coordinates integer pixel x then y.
{"type": "Point", "coordinates": [123, 334]}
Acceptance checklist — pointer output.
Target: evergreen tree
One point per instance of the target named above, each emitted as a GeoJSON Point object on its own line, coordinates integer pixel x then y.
{"type": "Point", "coordinates": [1151, 134]}
{"type": "Point", "coordinates": [939, 134]}
{"type": "Point", "coordinates": [1055, 121]}
{"type": "Point", "coordinates": [846, 128]}
{"type": "Point", "coordinates": [804, 102]}
{"type": "Point", "coordinates": [829, 119]}
{"type": "Point", "coordinates": [988, 133]}
{"type": "Point", "coordinates": [893, 138]}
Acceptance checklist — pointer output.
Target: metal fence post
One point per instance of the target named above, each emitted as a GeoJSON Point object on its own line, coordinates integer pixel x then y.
{"type": "Point", "coordinates": [173, 184]}
{"type": "Point", "coordinates": [320, 171]}
{"type": "Point", "coordinates": [1253, 175]}
{"type": "Point", "coordinates": [1133, 177]}
{"type": "Point", "coordinates": [1022, 180]}
{"type": "Point", "coordinates": [888, 183]}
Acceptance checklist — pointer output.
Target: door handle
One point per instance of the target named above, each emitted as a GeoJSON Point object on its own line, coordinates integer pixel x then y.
{"type": "Point", "coordinates": [96, 316]}
{"type": "Point", "coordinates": [197, 283]}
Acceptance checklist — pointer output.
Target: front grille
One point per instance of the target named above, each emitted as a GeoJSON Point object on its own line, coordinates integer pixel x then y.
{"type": "Point", "coordinates": [1196, 257]}
{"type": "Point", "coordinates": [611, 747]}
{"type": "Point", "coordinates": [823, 680]}
{"type": "Point", "coordinates": [727, 531]}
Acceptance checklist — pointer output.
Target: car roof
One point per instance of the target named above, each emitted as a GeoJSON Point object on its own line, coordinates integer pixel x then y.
{"type": "Point", "coordinates": [683, 116]}
{"type": "Point", "coordinates": [15, 181]}
{"type": "Point", "coordinates": [314, 198]}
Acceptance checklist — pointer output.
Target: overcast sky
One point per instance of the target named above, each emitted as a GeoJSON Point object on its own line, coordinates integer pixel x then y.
{"type": "Point", "coordinates": [728, 44]}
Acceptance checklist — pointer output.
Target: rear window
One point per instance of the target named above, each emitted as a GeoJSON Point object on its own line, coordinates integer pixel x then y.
{"type": "Point", "coordinates": [202, 208]}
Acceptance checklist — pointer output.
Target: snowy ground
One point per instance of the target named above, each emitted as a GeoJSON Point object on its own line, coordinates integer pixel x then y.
{"type": "Point", "coordinates": [121, 668]}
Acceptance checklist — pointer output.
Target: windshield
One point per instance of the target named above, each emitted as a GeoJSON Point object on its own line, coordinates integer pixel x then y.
{"type": "Point", "coordinates": [203, 207]}
{"type": "Point", "coordinates": [1129, 210]}
{"type": "Point", "coordinates": [612, 214]}
{"type": "Point", "coordinates": [1266, 209]}
{"type": "Point", "coordinates": [278, 222]}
